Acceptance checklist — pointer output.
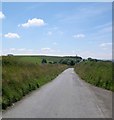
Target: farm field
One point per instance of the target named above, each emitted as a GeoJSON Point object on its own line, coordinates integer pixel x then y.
{"type": "Point", "coordinates": [38, 59]}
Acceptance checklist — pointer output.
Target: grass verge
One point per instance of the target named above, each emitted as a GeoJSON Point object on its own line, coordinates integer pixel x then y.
{"type": "Point", "coordinates": [19, 78]}
{"type": "Point", "coordinates": [97, 73]}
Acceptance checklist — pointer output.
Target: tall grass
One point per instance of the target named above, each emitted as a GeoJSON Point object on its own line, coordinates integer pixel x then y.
{"type": "Point", "coordinates": [97, 73]}
{"type": "Point", "coordinates": [19, 78]}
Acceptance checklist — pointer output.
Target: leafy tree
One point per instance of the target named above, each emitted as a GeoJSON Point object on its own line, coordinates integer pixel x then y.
{"type": "Point", "coordinates": [54, 62]}
{"type": "Point", "coordinates": [61, 60]}
{"type": "Point", "coordinates": [65, 61]}
{"type": "Point", "coordinates": [91, 59]}
{"type": "Point", "coordinates": [50, 62]}
{"type": "Point", "coordinates": [44, 61]}
{"type": "Point", "coordinates": [72, 62]}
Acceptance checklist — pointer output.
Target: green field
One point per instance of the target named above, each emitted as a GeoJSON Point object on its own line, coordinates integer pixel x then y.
{"type": "Point", "coordinates": [38, 59]}
{"type": "Point", "coordinates": [97, 73]}
{"type": "Point", "coordinates": [29, 59]}
{"type": "Point", "coordinates": [19, 77]}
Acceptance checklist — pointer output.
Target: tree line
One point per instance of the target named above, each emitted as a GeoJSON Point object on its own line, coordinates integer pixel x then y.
{"type": "Point", "coordinates": [68, 60]}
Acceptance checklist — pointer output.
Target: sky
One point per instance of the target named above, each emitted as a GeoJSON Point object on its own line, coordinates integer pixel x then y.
{"type": "Point", "coordinates": [79, 28]}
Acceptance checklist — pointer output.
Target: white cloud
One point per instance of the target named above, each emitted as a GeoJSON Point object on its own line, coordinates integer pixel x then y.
{"type": "Point", "coordinates": [2, 15]}
{"type": "Point", "coordinates": [21, 49]}
{"type": "Point", "coordinates": [12, 49]}
{"type": "Point", "coordinates": [11, 35]}
{"type": "Point", "coordinates": [49, 33]}
{"type": "Point", "coordinates": [79, 36]}
{"type": "Point", "coordinates": [106, 44]}
{"type": "Point", "coordinates": [33, 22]}
{"type": "Point", "coordinates": [97, 55]}
{"type": "Point", "coordinates": [45, 49]}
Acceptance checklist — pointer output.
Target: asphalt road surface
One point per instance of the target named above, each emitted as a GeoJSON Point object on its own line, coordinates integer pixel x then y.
{"type": "Point", "coordinates": [67, 96]}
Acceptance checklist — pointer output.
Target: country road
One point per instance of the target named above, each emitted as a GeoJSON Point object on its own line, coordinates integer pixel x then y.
{"type": "Point", "coordinates": [67, 96]}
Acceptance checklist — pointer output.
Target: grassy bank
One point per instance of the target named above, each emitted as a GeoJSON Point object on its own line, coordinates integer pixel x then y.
{"type": "Point", "coordinates": [97, 73]}
{"type": "Point", "coordinates": [19, 78]}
